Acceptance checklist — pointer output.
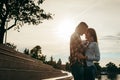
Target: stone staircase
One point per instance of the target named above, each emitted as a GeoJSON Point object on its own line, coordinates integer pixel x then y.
{"type": "Point", "coordinates": [18, 66]}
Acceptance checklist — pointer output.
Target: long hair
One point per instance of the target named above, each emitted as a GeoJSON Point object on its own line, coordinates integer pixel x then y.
{"type": "Point", "coordinates": [92, 32]}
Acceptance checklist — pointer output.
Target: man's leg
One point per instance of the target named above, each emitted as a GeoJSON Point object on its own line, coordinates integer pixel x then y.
{"type": "Point", "coordinates": [74, 71]}
{"type": "Point", "coordinates": [81, 72]}
{"type": "Point", "coordinates": [77, 71]}
{"type": "Point", "coordinates": [86, 73]}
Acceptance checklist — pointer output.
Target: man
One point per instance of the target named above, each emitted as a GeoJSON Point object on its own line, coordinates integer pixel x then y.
{"type": "Point", "coordinates": [76, 52]}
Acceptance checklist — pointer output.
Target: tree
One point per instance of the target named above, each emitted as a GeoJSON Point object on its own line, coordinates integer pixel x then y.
{"type": "Point", "coordinates": [98, 72]}
{"type": "Point", "coordinates": [19, 12]}
{"type": "Point", "coordinates": [59, 64]}
{"type": "Point", "coordinates": [52, 62]}
{"type": "Point", "coordinates": [42, 58]}
{"type": "Point", "coordinates": [13, 46]}
{"type": "Point", "coordinates": [67, 67]}
{"type": "Point", "coordinates": [26, 51]}
{"type": "Point", "coordinates": [112, 70]}
{"type": "Point", "coordinates": [111, 67]}
{"type": "Point", "coordinates": [119, 69]}
{"type": "Point", "coordinates": [35, 52]}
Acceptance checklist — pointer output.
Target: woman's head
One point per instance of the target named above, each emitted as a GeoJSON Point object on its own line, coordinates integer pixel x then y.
{"type": "Point", "coordinates": [91, 35]}
{"type": "Point", "coordinates": [81, 28]}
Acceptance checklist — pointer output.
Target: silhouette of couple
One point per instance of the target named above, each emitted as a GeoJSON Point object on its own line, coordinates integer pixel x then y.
{"type": "Point", "coordinates": [83, 53]}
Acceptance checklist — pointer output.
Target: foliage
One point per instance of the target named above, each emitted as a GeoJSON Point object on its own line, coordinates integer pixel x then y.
{"type": "Point", "coordinates": [98, 72]}
{"type": "Point", "coordinates": [111, 67]}
{"type": "Point", "coordinates": [42, 58]}
{"type": "Point", "coordinates": [52, 62]}
{"type": "Point", "coordinates": [35, 52]}
{"type": "Point", "coordinates": [26, 51]}
{"type": "Point", "coordinates": [19, 12]}
{"type": "Point", "coordinates": [112, 70]}
{"type": "Point", "coordinates": [67, 67]}
{"type": "Point", "coordinates": [13, 46]}
{"type": "Point", "coordinates": [59, 64]}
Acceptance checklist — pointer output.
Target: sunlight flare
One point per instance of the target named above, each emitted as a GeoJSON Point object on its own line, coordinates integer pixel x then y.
{"type": "Point", "coordinates": [65, 29]}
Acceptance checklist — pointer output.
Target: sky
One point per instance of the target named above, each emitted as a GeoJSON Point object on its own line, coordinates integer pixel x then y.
{"type": "Point", "coordinates": [54, 35]}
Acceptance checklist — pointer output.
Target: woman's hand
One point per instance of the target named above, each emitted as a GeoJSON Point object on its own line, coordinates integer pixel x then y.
{"type": "Point", "coordinates": [80, 56]}
{"type": "Point", "coordinates": [86, 57]}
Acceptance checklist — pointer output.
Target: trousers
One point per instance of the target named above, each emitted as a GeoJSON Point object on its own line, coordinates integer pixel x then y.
{"type": "Point", "coordinates": [90, 73]}
{"type": "Point", "coordinates": [77, 71]}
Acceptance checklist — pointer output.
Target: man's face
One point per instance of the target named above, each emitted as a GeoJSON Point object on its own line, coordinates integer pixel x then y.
{"type": "Point", "coordinates": [82, 30]}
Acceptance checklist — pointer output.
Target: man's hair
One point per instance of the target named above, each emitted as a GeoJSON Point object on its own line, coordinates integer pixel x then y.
{"type": "Point", "coordinates": [81, 24]}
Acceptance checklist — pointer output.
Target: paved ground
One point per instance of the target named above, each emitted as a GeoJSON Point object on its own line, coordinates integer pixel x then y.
{"type": "Point", "coordinates": [67, 77]}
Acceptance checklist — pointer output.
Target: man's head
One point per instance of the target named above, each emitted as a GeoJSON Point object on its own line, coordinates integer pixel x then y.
{"type": "Point", "coordinates": [81, 28]}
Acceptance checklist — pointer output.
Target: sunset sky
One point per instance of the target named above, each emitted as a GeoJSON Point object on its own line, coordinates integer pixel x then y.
{"type": "Point", "coordinates": [54, 35]}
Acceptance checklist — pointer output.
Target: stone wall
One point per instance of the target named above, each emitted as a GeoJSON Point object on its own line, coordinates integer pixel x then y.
{"type": "Point", "coordinates": [18, 66]}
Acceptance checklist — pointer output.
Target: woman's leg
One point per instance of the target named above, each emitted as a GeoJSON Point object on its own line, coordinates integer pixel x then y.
{"type": "Point", "coordinates": [93, 72]}
{"type": "Point", "coordinates": [90, 73]}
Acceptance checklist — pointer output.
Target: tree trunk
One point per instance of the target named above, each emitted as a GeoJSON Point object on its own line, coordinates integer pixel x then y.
{"type": "Point", "coordinates": [2, 31]}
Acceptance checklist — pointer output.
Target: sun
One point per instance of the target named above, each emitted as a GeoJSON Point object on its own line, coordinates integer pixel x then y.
{"type": "Point", "coordinates": [65, 28]}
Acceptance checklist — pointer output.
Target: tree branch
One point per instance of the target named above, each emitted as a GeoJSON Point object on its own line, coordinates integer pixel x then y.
{"type": "Point", "coordinates": [12, 25]}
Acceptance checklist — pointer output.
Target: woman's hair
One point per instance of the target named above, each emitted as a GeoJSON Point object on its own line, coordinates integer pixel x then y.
{"type": "Point", "coordinates": [92, 32]}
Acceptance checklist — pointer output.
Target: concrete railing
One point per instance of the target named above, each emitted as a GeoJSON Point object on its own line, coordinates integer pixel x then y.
{"type": "Point", "coordinates": [18, 66]}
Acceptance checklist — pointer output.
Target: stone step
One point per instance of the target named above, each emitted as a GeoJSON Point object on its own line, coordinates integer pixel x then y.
{"type": "Point", "coordinates": [18, 66]}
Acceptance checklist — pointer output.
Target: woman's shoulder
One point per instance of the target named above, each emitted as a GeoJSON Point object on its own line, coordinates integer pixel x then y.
{"type": "Point", "coordinates": [93, 43]}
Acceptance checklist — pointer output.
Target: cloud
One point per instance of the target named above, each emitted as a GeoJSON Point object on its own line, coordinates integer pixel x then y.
{"type": "Point", "coordinates": [110, 43]}
{"type": "Point", "coordinates": [111, 37]}
{"type": "Point", "coordinates": [110, 57]}
{"type": "Point", "coordinates": [118, 34]}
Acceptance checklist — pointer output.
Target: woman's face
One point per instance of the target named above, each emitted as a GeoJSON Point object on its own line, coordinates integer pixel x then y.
{"type": "Point", "coordinates": [88, 36]}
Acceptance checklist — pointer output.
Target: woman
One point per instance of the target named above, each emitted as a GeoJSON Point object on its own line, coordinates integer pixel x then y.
{"type": "Point", "coordinates": [92, 54]}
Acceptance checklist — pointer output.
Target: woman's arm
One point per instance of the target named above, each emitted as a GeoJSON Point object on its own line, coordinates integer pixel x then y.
{"type": "Point", "coordinates": [96, 56]}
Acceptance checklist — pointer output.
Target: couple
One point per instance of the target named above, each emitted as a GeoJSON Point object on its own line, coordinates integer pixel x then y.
{"type": "Point", "coordinates": [84, 53]}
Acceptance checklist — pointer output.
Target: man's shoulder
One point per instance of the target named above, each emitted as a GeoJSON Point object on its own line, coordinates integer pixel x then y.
{"type": "Point", "coordinates": [74, 35]}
